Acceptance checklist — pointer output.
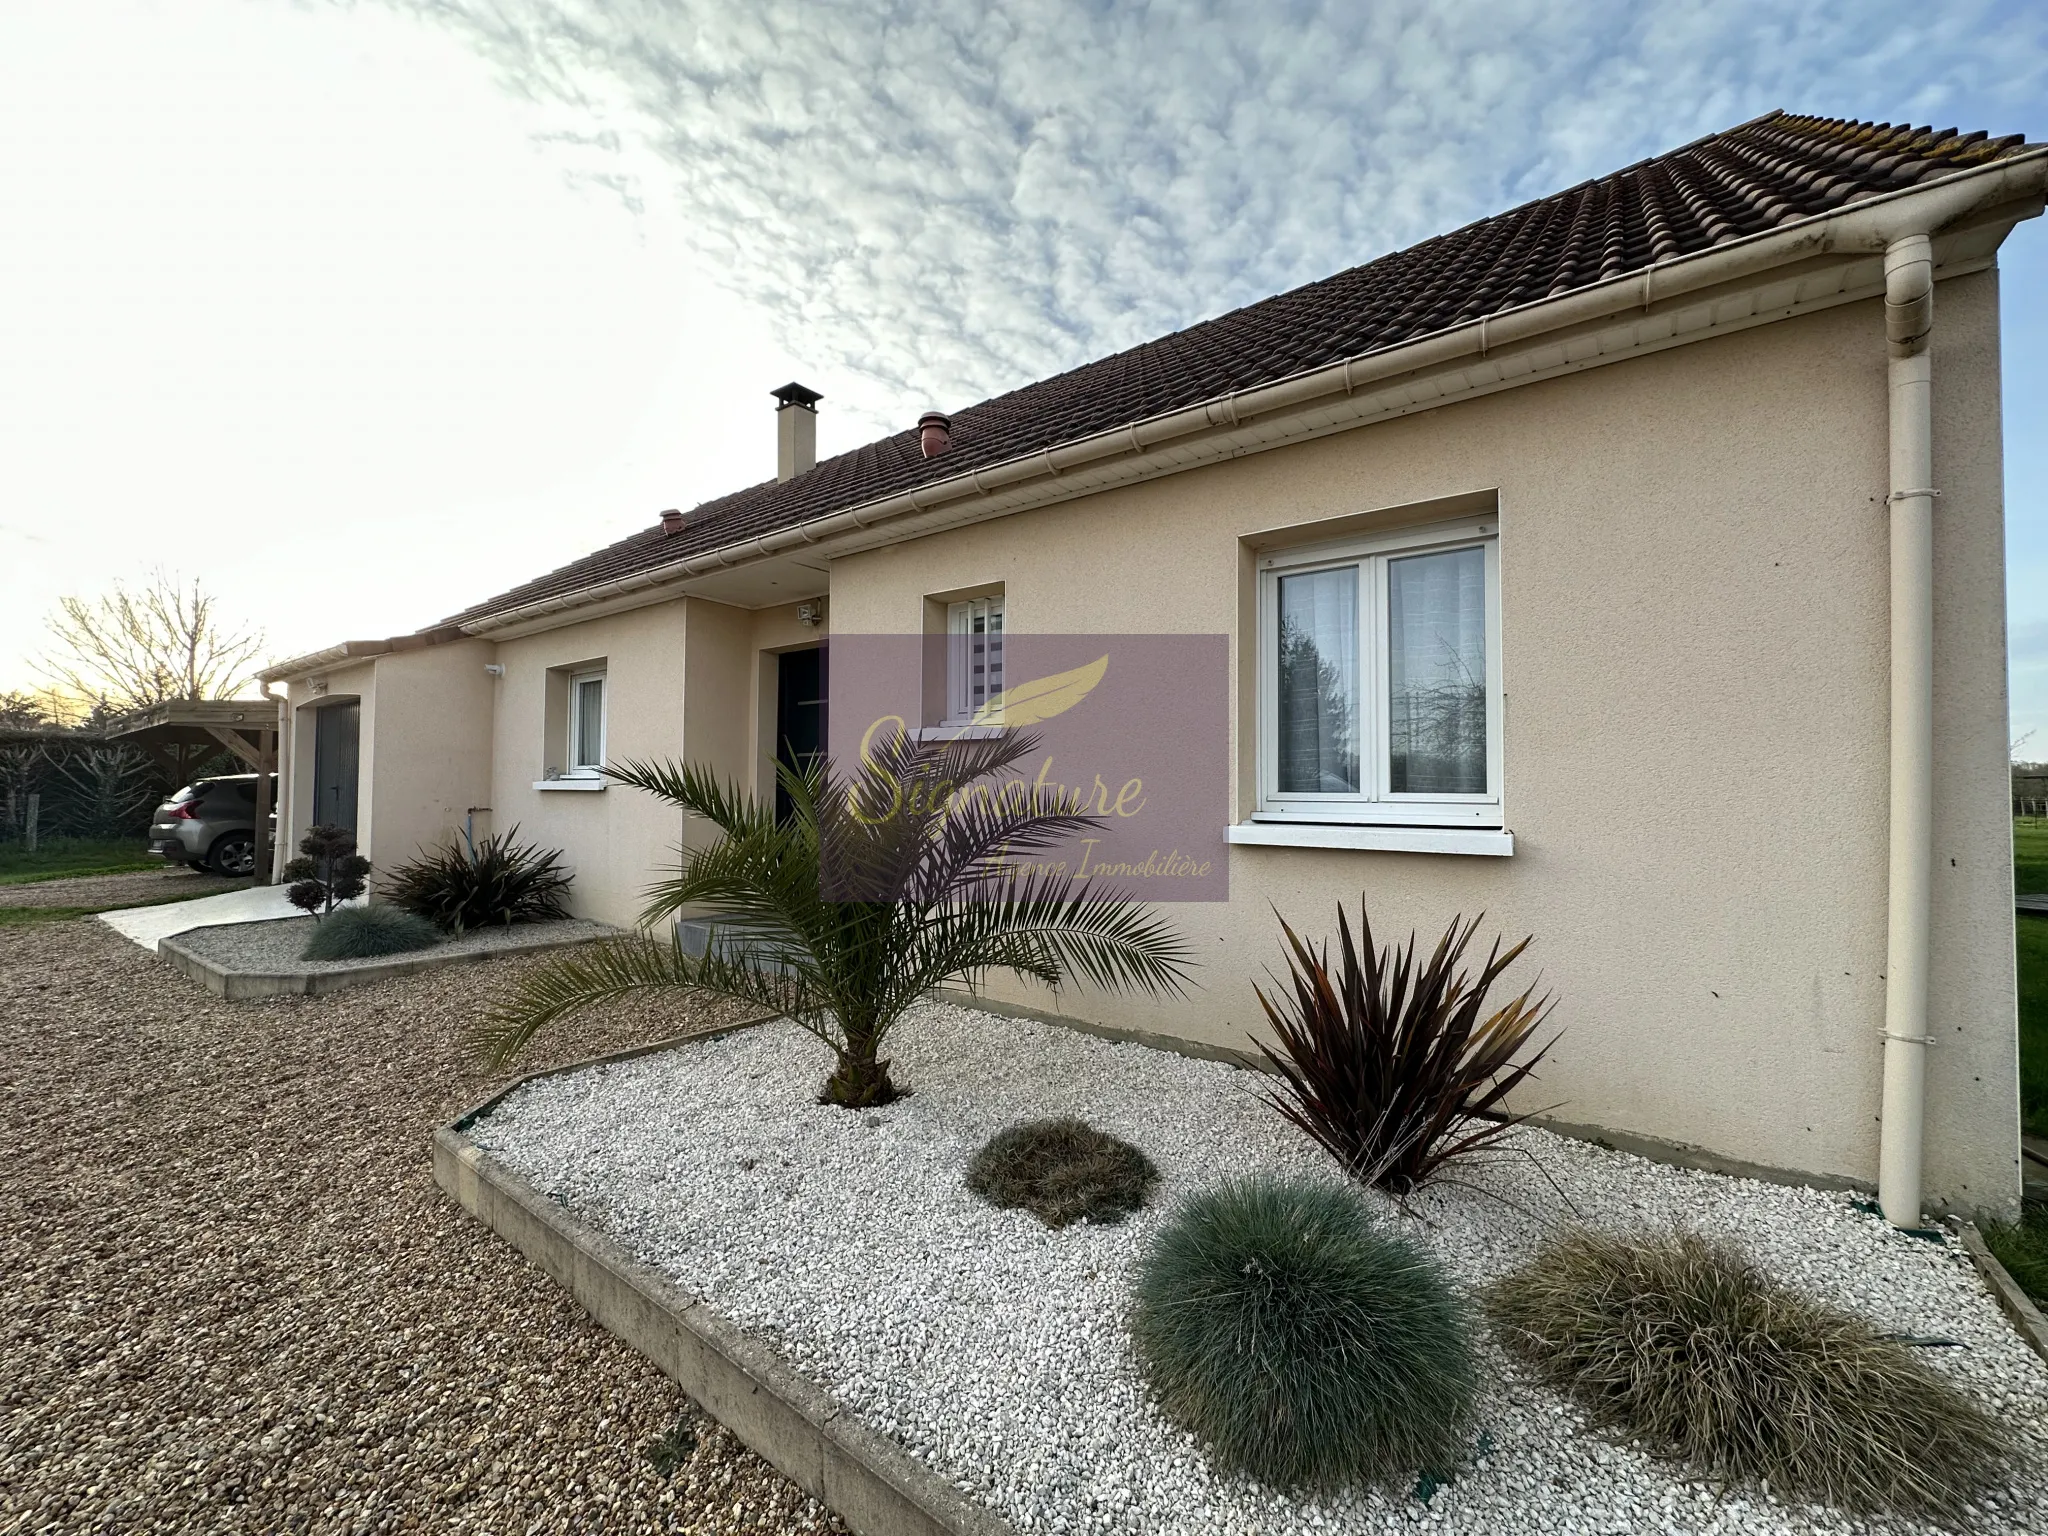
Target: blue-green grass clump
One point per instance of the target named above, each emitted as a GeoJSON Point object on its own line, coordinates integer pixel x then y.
{"type": "Point", "coordinates": [1299, 1341]}
{"type": "Point", "coordinates": [363, 933]}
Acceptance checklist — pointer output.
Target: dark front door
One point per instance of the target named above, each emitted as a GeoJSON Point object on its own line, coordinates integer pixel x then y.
{"type": "Point", "coordinates": [336, 751]}
{"type": "Point", "coordinates": [799, 714]}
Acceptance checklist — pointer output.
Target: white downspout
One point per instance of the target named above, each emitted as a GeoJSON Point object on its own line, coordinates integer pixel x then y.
{"type": "Point", "coordinates": [1908, 321]}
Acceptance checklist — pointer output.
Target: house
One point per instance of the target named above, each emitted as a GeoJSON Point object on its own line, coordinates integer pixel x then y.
{"type": "Point", "coordinates": [1662, 452]}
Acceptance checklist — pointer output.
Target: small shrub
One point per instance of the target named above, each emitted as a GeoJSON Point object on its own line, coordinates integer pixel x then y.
{"type": "Point", "coordinates": [459, 886]}
{"type": "Point", "coordinates": [1391, 1067]}
{"type": "Point", "coordinates": [2022, 1247]}
{"type": "Point", "coordinates": [327, 872]}
{"type": "Point", "coordinates": [1062, 1171]}
{"type": "Point", "coordinates": [1683, 1344]}
{"type": "Point", "coordinates": [1301, 1343]}
{"type": "Point", "coordinates": [361, 933]}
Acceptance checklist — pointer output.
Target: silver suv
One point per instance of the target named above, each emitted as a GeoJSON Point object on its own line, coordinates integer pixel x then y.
{"type": "Point", "coordinates": [211, 824]}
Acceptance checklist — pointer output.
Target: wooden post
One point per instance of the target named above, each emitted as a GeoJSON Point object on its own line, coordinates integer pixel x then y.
{"type": "Point", "coordinates": [35, 809]}
{"type": "Point", "coordinates": [266, 763]}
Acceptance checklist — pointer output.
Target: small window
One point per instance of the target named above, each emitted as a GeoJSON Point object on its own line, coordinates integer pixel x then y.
{"type": "Point", "coordinates": [1379, 693]}
{"type": "Point", "coordinates": [974, 657]}
{"type": "Point", "coordinates": [586, 723]}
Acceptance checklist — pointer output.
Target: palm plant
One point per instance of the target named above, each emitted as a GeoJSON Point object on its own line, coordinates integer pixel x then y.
{"type": "Point", "coordinates": [875, 890]}
{"type": "Point", "coordinates": [1396, 1068]}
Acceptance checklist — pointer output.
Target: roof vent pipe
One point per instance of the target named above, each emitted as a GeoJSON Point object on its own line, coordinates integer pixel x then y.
{"type": "Point", "coordinates": [796, 430]}
{"type": "Point", "coordinates": [672, 520]}
{"type": "Point", "coordinates": [934, 433]}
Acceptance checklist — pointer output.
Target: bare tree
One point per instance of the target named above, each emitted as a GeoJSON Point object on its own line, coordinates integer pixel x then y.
{"type": "Point", "coordinates": [27, 712]}
{"type": "Point", "coordinates": [134, 649]}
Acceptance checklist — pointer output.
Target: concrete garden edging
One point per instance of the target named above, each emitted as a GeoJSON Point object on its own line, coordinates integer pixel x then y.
{"type": "Point", "coordinates": [871, 1483]}
{"type": "Point", "coordinates": [240, 986]}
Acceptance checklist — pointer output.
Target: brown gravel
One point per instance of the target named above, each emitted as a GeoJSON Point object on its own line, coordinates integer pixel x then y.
{"type": "Point", "coordinates": [132, 889]}
{"type": "Point", "coordinates": [232, 1299]}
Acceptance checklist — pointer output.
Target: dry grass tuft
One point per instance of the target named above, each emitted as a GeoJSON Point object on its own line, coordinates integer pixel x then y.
{"type": "Point", "coordinates": [1062, 1171]}
{"type": "Point", "coordinates": [1683, 1344]}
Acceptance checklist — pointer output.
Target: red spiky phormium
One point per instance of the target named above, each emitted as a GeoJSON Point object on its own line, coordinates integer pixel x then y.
{"type": "Point", "coordinates": [1396, 1069]}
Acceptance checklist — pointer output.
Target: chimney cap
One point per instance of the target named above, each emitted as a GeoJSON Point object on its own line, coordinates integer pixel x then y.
{"type": "Point", "coordinates": [793, 393]}
{"type": "Point", "coordinates": [672, 520]}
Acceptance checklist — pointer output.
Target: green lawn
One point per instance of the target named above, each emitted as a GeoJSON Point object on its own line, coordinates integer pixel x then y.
{"type": "Point", "coordinates": [2030, 873]}
{"type": "Point", "coordinates": [2033, 947]}
{"type": "Point", "coordinates": [2030, 855]}
{"type": "Point", "coordinates": [61, 858]}
{"type": "Point", "coordinates": [2022, 1247]}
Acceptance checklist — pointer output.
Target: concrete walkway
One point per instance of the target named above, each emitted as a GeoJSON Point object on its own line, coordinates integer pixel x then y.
{"type": "Point", "coordinates": [149, 925]}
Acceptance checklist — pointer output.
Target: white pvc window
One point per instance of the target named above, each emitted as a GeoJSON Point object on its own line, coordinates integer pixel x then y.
{"type": "Point", "coordinates": [586, 722]}
{"type": "Point", "coordinates": [1379, 680]}
{"type": "Point", "coordinates": [974, 657]}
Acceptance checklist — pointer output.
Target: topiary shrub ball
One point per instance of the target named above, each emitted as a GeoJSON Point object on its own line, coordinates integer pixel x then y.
{"type": "Point", "coordinates": [362, 933]}
{"type": "Point", "coordinates": [1062, 1171]}
{"type": "Point", "coordinates": [1683, 1344]}
{"type": "Point", "coordinates": [1301, 1343]}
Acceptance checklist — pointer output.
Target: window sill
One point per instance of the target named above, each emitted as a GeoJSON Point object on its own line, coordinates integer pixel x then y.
{"type": "Point", "coordinates": [955, 732]}
{"type": "Point", "coordinates": [1486, 841]}
{"type": "Point", "coordinates": [583, 786]}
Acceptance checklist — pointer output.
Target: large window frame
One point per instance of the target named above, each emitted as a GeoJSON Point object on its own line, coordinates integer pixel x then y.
{"type": "Point", "coordinates": [1375, 802]}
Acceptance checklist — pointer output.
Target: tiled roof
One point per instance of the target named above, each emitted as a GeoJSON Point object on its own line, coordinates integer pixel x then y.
{"type": "Point", "coordinates": [1776, 170]}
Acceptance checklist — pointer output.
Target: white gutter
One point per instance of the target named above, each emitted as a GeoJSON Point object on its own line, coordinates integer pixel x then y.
{"type": "Point", "coordinates": [354, 650]}
{"type": "Point", "coordinates": [1865, 227]}
{"type": "Point", "coordinates": [1909, 326]}
{"type": "Point", "coordinates": [1908, 323]}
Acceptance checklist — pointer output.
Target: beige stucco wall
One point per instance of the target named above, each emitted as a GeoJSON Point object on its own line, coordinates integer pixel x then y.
{"type": "Point", "coordinates": [357, 680]}
{"type": "Point", "coordinates": [428, 758]}
{"type": "Point", "coordinates": [613, 839]}
{"type": "Point", "coordinates": [1695, 640]}
{"type": "Point", "coordinates": [685, 679]}
{"type": "Point", "coordinates": [424, 748]}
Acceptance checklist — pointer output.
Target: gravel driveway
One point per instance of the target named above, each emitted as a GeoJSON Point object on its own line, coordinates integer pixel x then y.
{"type": "Point", "coordinates": [232, 1299]}
{"type": "Point", "coordinates": [134, 888]}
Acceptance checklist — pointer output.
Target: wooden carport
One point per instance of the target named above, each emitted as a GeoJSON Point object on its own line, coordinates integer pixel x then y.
{"type": "Point", "coordinates": [183, 734]}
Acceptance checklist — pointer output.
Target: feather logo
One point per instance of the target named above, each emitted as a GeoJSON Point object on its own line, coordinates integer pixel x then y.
{"type": "Point", "coordinates": [1042, 697]}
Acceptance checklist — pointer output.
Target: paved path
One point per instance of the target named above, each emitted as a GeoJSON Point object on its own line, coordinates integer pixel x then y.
{"type": "Point", "coordinates": [233, 1301]}
{"type": "Point", "coordinates": [249, 904]}
{"type": "Point", "coordinates": [2034, 903]}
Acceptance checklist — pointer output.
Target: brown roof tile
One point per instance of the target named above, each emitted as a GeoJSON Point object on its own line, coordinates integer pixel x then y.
{"type": "Point", "coordinates": [1776, 170]}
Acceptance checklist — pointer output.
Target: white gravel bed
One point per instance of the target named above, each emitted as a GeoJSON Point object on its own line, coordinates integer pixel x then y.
{"type": "Point", "coordinates": [274, 948]}
{"type": "Point", "coordinates": [995, 1350]}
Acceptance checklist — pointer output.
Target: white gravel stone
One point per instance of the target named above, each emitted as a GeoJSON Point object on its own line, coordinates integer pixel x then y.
{"type": "Point", "coordinates": [995, 1350]}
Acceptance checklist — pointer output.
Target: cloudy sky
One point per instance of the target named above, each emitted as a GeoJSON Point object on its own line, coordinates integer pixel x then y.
{"type": "Point", "coordinates": [363, 311]}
